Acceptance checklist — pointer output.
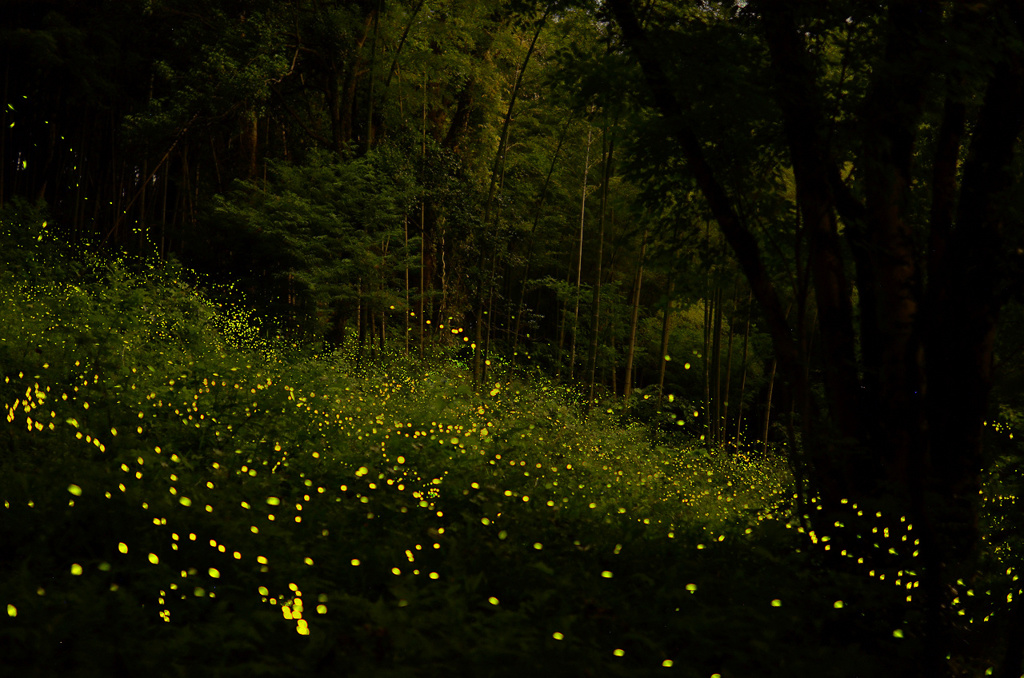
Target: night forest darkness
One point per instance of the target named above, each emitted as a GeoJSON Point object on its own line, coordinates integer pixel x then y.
{"type": "Point", "coordinates": [775, 231]}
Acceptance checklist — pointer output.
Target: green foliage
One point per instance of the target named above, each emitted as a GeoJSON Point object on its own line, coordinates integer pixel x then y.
{"type": "Point", "coordinates": [175, 496]}
{"type": "Point", "coordinates": [328, 230]}
{"type": "Point", "coordinates": [31, 250]}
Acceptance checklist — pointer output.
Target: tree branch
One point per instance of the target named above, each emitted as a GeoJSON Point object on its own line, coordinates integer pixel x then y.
{"type": "Point", "coordinates": [806, 131]}
{"type": "Point", "coordinates": [742, 241]}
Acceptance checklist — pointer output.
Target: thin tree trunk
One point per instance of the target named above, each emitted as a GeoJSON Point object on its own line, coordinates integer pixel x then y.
{"type": "Point", "coordinates": [360, 323]}
{"type": "Point", "coordinates": [561, 330]}
{"type": "Point", "coordinates": [607, 151]}
{"type": "Point", "coordinates": [716, 367]}
{"type": "Point", "coordinates": [401, 43]}
{"type": "Point", "coordinates": [373, 61]}
{"type": "Point", "coordinates": [771, 386]}
{"type": "Point", "coordinates": [579, 265]}
{"type": "Point", "coordinates": [768, 407]}
{"type": "Point", "coordinates": [665, 329]}
{"type": "Point", "coordinates": [627, 387]}
{"type": "Point", "coordinates": [728, 374]}
{"type": "Point", "coordinates": [533, 230]}
{"type": "Point", "coordinates": [709, 310]}
{"type": "Point", "coordinates": [500, 158]}
{"type": "Point", "coordinates": [163, 213]}
{"type": "Point", "coordinates": [490, 317]}
{"type": "Point", "coordinates": [423, 223]}
{"type": "Point", "coordinates": [743, 378]}
{"type": "Point", "coordinates": [612, 369]}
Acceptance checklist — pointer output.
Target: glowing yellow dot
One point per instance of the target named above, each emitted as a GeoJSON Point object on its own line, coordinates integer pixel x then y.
{"type": "Point", "coordinates": [321, 609]}
{"type": "Point", "coordinates": [667, 663]}
{"type": "Point", "coordinates": [76, 569]}
{"type": "Point", "coordinates": [12, 611]}
{"type": "Point", "coordinates": [838, 604]}
{"type": "Point", "coordinates": [273, 501]}
{"type": "Point", "coordinates": [606, 574]}
{"type": "Point", "coordinates": [492, 600]}
{"type": "Point", "coordinates": [898, 633]}
{"type": "Point", "coordinates": [214, 572]}
{"type": "Point", "coordinates": [308, 561]}
{"type": "Point", "coordinates": [263, 591]}
{"type": "Point", "coordinates": [154, 558]}
{"type": "Point", "coordinates": [776, 603]}
{"type": "Point", "coordinates": [618, 653]}
{"type": "Point", "coordinates": [691, 588]}
{"type": "Point", "coordinates": [75, 490]}
{"type": "Point", "coordinates": [395, 571]}
{"type": "Point", "coordinates": [355, 562]}
{"type": "Point", "coordinates": [434, 575]}
{"type": "Point", "coordinates": [122, 547]}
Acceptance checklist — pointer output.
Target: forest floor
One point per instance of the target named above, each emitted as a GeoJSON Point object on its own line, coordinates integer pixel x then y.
{"type": "Point", "coordinates": [182, 497]}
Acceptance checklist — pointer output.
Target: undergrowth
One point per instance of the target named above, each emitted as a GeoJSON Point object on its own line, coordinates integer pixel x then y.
{"type": "Point", "coordinates": [182, 494]}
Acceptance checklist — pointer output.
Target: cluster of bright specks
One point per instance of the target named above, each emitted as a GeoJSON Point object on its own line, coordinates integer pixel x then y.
{"type": "Point", "coordinates": [248, 474]}
{"type": "Point", "coordinates": [33, 398]}
{"type": "Point", "coordinates": [887, 552]}
{"type": "Point", "coordinates": [403, 467]}
{"type": "Point", "coordinates": [890, 549]}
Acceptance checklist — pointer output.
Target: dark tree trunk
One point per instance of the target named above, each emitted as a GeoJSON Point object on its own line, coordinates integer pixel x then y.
{"type": "Point", "coordinates": [907, 415]}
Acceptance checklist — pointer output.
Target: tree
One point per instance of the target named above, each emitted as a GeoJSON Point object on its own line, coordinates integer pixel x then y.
{"type": "Point", "coordinates": [884, 160]}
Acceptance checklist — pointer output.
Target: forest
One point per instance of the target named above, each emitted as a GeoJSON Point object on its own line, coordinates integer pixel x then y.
{"type": "Point", "coordinates": [469, 337]}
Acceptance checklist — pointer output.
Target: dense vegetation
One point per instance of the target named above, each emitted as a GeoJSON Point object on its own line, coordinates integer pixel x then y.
{"type": "Point", "coordinates": [180, 495]}
{"type": "Point", "coordinates": [485, 291]}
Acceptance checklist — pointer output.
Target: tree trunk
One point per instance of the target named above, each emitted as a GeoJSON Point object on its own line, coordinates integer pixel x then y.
{"type": "Point", "coordinates": [768, 407]}
{"type": "Point", "coordinates": [716, 368]}
{"type": "Point", "coordinates": [499, 162]}
{"type": "Point", "coordinates": [724, 422]}
{"type": "Point", "coordinates": [533, 230]}
{"type": "Point", "coordinates": [370, 77]}
{"type": "Point", "coordinates": [743, 378]}
{"type": "Point", "coordinates": [709, 313]}
{"type": "Point", "coordinates": [627, 387]}
{"type": "Point", "coordinates": [665, 328]}
{"type": "Point", "coordinates": [579, 259]}
{"type": "Point", "coordinates": [423, 224]}
{"type": "Point", "coordinates": [607, 151]}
